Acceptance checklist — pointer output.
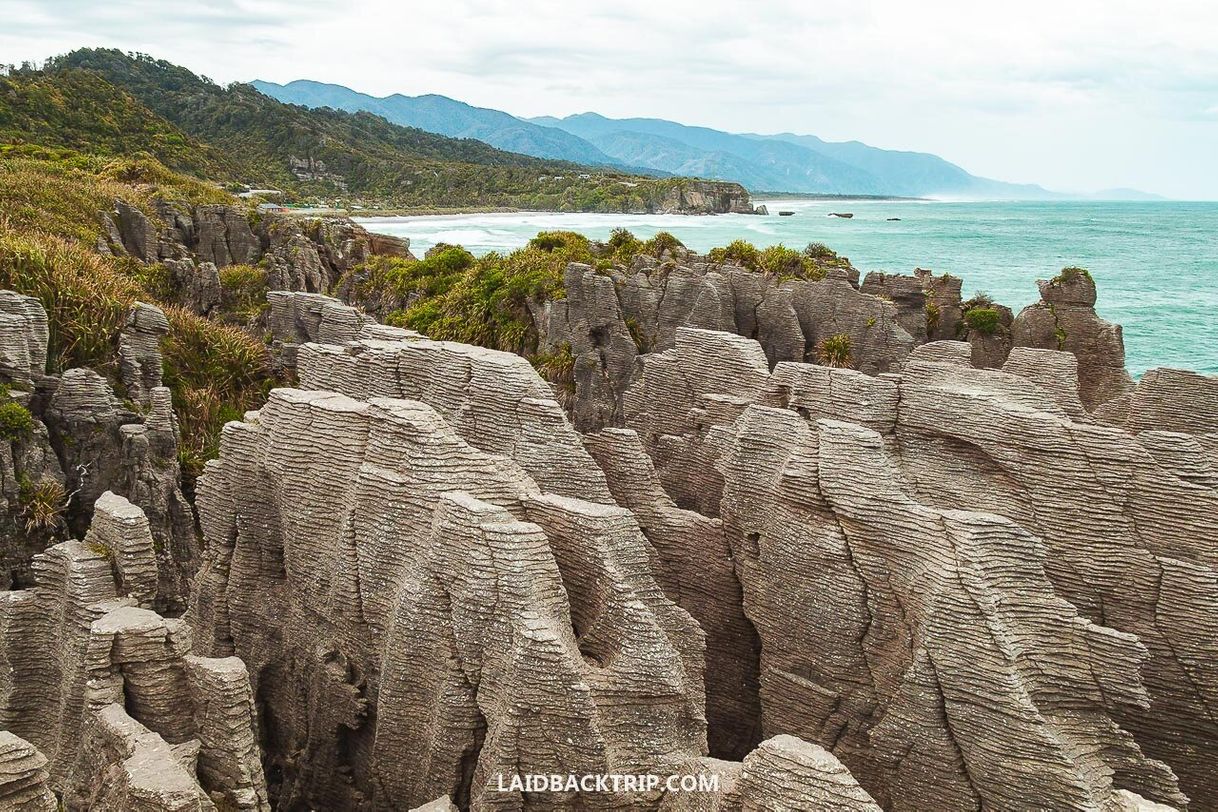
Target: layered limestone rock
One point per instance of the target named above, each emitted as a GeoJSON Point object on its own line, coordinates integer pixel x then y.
{"type": "Point", "coordinates": [694, 566]}
{"type": "Point", "coordinates": [934, 609]}
{"type": "Point", "coordinates": [1174, 400]}
{"type": "Point", "coordinates": [783, 773]}
{"type": "Point", "coordinates": [842, 521]}
{"type": "Point", "coordinates": [789, 773]}
{"type": "Point", "coordinates": [105, 446]}
{"type": "Point", "coordinates": [680, 401]}
{"type": "Point", "coordinates": [1065, 319]}
{"type": "Point", "coordinates": [197, 286]}
{"type": "Point", "coordinates": [85, 418]}
{"type": "Point", "coordinates": [32, 484]}
{"type": "Point", "coordinates": [608, 318]}
{"type": "Point", "coordinates": [705, 197]}
{"type": "Point", "coordinates": [494, 400]}
{"type": "Point", "coordinates": [297, 253]}
{"type": "Point", "coordinates": [1125, 535]}
{"type": "Point", "coordinates": [297, 318]}
{"type": "Point", "coordinates": [139, 352]}
{"type": "Point", "coordinates": [106, 690]}
{"type": "Point", "coordinates": [419, 618]}
{"type": "Point", "coordinates": [23, 777]}
{"type": "Point", "coordinates": [23, 337]}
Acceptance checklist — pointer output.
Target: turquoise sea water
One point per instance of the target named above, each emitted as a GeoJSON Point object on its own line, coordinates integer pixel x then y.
{"type": "Point", "coordinates": [1156, 264]}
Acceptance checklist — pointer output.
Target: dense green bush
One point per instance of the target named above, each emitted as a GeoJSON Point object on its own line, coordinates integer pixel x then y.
{"type": "Point", "coordinates": [983, 319]}
{"type": "Point", "coordinates": [779, 261]}
{"type": "Point", "coordinates": [15, 421]}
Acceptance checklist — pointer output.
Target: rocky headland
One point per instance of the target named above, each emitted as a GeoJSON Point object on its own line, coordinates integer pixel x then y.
{"type": "Point", "coordinates": [838, 543]}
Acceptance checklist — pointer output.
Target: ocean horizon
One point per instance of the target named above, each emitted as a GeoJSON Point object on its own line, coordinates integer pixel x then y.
{"type": "Point", "coordinates": [1155, 262]}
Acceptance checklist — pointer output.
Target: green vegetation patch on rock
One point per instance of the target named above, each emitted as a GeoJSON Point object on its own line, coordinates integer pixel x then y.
{"type": "Point", "coordinates": [779, 261]}
{"type": "Point", "coordinates": [985, 320]}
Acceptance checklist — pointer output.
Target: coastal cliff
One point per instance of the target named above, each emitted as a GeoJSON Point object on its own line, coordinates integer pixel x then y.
{"type": "Point", "coordinates": [705, 197]}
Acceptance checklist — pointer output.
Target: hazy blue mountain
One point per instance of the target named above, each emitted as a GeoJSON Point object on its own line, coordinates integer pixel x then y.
{"type": "Point", "coordinates": [445, 116]}
{"type": "Point", "coordinates": [899, 172]}
{"type": "Point", "coordinates": [785, 162]}
{"type": "Point", "coordinates": [791, 163]}
{"type": "Point", "coordinates": [702, 152]}
{"type": "Point", "coordinates": [1122, 193]}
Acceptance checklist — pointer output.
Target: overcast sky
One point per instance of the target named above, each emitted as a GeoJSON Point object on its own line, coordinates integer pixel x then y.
{"type": "Point", "coordinates": [1077, 95]}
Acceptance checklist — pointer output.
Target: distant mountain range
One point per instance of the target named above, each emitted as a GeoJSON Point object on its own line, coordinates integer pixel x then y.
{"type": "Point", "coordinates": [763, 163]}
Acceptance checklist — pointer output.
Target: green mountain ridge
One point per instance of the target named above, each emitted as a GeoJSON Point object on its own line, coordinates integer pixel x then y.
{"type": "Point", "coordinates": [445, 116]}
{"type": "Point", "coordinates": [105, 102]}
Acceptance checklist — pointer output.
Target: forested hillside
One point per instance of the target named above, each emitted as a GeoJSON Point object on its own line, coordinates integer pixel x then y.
{"type": "Point", "coordinates": [109, 103]}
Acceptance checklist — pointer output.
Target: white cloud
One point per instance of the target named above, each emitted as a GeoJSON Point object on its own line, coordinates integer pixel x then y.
{"type": "Point", "coordinates": [1076, 95]}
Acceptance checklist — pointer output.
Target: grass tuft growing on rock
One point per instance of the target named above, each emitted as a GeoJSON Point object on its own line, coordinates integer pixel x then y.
{"type": "Point", "coordinates": [43, 503]}
{"type": "Point", "coordinates": [85, 295]}
{"type": "Point", "coordinates": [834, 351]}
{"type": "Point", "coordinates": [243, 291]}
{"type": "Point", "coordinates": [216, 373]}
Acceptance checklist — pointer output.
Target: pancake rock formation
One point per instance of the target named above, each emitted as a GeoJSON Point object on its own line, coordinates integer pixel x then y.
{"type": "Point", "coordinates": [840, 493]}
{"type": "Point", "coordinates": [429, 606]}
{"type": "Point", "coordinates": [123, 716]}
{"type": "Point", "coordinates": [70, 439]}
{"type": "Point", "coordinates": [947, 574]}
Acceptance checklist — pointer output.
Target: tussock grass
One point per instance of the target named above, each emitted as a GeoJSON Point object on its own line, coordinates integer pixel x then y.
{"type": "Point", "coordinates": [61, 192]}
{"type": "Point", "coordinates": [834, 351]}
{"type": "Point", "coordinates": [84, 294]}
{"type": "Point", "coordinates": [216, 373]}
{"type": "Point", "coordinates": [48, 227]}
{"type": "Point", "coordinates": [43, 504]}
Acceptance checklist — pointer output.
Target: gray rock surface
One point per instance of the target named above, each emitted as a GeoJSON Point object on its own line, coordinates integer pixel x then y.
{"type": "Point", "coordinates": [23, 777]}
{"type": "Point", "coordinates": [139, 351]}
{"type": "Point", "coordinates": [106, 690]}
{"type": "Point", "coordinates": [23, 338]}
{"type": "Point", "coordinates": [305, 254]}
{"type": "Point", "coordinates": [418, 617]}
{"type": "Point", "coordinates": [816, 541]}
{"type": "Point", "coordinates": [789, 773]}
{"type": "Point", "coordinates": [694, 565]}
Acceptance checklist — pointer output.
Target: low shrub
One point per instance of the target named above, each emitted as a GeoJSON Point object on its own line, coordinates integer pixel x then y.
{"type": "Point", "coordinates": [623, 246]}
{"type": "Point", "coordinates": [740, 252]}
{"type": "Point", "coordinates": [662, 243]}
{"type": "Point", "coordinates": [15, 421]}
{"type": "Point", "coordinates": [1071, 273]}
{"type": "Point", "coordinates": [776, 261]}
{"type": "Point", "coordinates": [982, 319]}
